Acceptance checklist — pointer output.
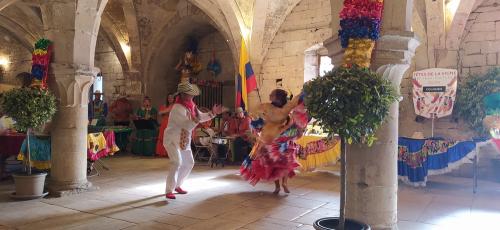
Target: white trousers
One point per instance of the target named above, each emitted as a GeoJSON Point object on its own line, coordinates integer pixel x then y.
{"type": "Point", "coordinates": [181, 164]}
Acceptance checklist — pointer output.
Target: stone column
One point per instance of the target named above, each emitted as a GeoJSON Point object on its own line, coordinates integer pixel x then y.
{"type": "Point", "coordinates": [66, 23]}
{"type": "Point", "coordinates": [69, 131]}
{"type": "Point", "coordinates": [372, 181]}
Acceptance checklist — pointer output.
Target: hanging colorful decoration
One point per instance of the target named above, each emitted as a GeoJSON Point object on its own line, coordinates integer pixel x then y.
{"type": "Point", "coordinates": [213, 65]}
{"type": "Point", "coordinates": [360, 22]}
{"type": "Point", "coordinates": [41, 60]}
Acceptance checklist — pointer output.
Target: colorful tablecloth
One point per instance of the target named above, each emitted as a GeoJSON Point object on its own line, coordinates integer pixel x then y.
{"type": "Point", "coordinates": [40, 152]}
{"type": "Point", "coordinates": [100, 145]}
{"type": "Point", "coordinates": [418, 158]}
{"type": "Point", "coordinates": [122, 134]}
{"type": "Point", "coordinates": [317, 151]}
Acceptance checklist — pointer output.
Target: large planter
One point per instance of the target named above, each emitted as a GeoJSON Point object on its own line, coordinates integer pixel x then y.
{"type": "Point", "coordinates": [29, 186]}
{"type": "Point", "coordinates": [331, 223]}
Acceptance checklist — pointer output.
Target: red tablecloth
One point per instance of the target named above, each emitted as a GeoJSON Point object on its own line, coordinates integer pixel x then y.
{"type": "Point", "coordinates": [10, 144]}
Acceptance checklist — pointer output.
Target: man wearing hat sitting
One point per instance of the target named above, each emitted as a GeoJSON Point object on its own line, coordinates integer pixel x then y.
{"type": "Point", "coordinates": [98, 110]}
{"type": "Point", "coordinates": [239, 129]}
{"type": "Point", "coordinates": [184, 117]}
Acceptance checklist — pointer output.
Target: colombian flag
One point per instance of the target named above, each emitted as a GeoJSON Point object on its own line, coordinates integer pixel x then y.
{"type": "Point", "coordinates": [246, 81]}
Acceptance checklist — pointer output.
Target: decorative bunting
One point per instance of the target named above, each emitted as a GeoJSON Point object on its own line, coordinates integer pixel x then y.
{"type": "Point", "coordinates": [360, 28]}
{"type": "Point", "coordinates": [41, 60]}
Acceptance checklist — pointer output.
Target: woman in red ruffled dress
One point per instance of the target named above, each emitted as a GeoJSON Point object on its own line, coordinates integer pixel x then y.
{"type": "Point", "coordinates": [276, 160]}
{"type": "Point", "coordinates": [164, 112]}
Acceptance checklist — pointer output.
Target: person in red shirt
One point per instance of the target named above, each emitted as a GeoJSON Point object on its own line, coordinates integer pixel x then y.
{"type": "Point", "coordinates": [121, 110]}
{"type": "Point", "coordinates": [224, 123]}
{"type": "Point", "coordinates": [239, 129]}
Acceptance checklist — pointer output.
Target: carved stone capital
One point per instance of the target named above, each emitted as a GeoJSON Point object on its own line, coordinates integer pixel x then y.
{"type": "Point", "coordinates": [395, 48]}
{"type": "Point", "coordinates": [71, 83]}
{"type": "Point", "coordinates": [394, 73]}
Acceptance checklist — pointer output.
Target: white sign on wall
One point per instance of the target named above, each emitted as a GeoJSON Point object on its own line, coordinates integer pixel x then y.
{"type": "Point", "coordinates": [434, 92]}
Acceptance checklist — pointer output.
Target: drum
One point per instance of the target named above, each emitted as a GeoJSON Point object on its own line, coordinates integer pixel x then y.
{"type": "Point", "coordinates": [219, 141]}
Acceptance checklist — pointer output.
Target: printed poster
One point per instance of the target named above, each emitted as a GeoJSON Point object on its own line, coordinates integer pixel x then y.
{"type": "Point", "coordinates": [434, 92]}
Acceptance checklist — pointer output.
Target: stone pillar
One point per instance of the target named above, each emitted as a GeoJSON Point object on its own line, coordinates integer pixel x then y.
{"type": "Point", "coordinates": [372, 181]}
{"type": "Point", "coordinates": [66, 23]}
{"type": "Point", "coordinates": [69, 130]}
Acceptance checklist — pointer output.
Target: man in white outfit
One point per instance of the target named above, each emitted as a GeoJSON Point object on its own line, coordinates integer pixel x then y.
{"type": "Point", "coordinates": [183, 118]}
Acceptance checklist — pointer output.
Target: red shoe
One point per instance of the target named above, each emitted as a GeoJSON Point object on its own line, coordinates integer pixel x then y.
{"type": "Point", "coordinates": [180, 191]}
{"type": "Point", "coordinates": [170, 196]}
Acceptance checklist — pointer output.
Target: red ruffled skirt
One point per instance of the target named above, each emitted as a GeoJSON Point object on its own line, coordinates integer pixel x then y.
{"type": "Point", "coordinates": [271, 162]}
{"type": "Point", "coordinates": [279, 159]}
{"type": "Point", "coordinates": [160, 150]}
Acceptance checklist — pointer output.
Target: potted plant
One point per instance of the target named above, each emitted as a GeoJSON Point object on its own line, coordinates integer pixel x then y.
{"type": "Point", "coordinates": [470, 104]}
{"type": "Point", "coordinates": [353, 103]}
{"type": "Point", "coordinates": [30, 108]}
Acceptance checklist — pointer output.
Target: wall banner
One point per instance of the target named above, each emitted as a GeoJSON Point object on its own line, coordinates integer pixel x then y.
{"type": "Point", "coordinates": [434, 92]}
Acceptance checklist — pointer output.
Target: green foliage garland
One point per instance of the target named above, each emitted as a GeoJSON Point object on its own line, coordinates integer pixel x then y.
{"type": "Point", "coordinates": [469, 104]}
{"type": "Point", "coordinates": [351, 102]}
{"type": "Point", "coordinates": [29, 107]}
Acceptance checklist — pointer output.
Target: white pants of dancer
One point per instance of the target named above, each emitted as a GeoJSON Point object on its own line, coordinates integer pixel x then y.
{"type": "Point", "coordinates": [181, 164]}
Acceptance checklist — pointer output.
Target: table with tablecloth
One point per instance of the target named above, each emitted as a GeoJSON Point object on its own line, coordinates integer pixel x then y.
{"type": "Point", "coordinates": [10, 143]}
{"type": "Point", "coordinates": [98, 145]}
{"type": "Point", "coordinates": [317, 151]}
{"type": "Point", "coordinates": [418, 158]}
{"type": "Point", "coordinates": [122, 134]}
{"type": "Point", "coordinates": [40, 152]}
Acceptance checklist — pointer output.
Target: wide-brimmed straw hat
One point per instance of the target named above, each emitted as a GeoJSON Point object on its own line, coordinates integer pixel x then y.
{"type": "Point", "coordinates": [98, 92]}
{"type": "Point", "coordinates": [188, 88]}
{"type": "Point", "coordinates": [418, 135]}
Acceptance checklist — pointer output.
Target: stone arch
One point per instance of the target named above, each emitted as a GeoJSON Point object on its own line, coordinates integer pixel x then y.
{"type": "Point", "coordinates": [87, 21]}
{"type": "Point", "coordinates": [160, 76]}
{"type": "Point", "coordinates": [23, 36]}
{"type": "Point", "coordinates": [228, 28]}
{"type": "Point", "coordinates": [457, 27]}
{"type": "Point", "coordinates": [133, 34]}
{"type": "Point", "coordinates": [266, 30]}
{"type": "Point", "coordinates": [112, 35]}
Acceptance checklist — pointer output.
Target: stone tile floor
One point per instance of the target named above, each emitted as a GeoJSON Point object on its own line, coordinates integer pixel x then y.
{"type": "Point", "coordinates": [131, 197]}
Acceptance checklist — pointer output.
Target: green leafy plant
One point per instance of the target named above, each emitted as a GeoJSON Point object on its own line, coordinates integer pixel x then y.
{"type": "Point", "coordinates": [469, 104]}
{"type": "Point", "coordinates": [30, 108]}
{"type": "Point", "coordinates": [351, 102]}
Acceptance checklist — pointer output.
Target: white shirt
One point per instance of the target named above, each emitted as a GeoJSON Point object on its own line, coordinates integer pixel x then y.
{"type": "Point", "coordinates": [180, 126]}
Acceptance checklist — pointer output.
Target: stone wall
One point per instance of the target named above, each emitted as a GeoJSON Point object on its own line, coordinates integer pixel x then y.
{"type": "Point", "coordinates": [480, 46]}
{"type": "Point", "coordinates": [114, 82]}
{"type": "Point", "coordinates": [307, 25]}
{"type": "Point", "coordinates": [18, 56]}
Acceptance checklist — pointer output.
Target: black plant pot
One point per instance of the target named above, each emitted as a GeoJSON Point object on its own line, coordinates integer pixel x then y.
{"type": "Point", "coordinates": [331, 223]}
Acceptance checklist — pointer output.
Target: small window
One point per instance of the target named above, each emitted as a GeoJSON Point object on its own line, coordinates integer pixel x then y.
{"type": "Point", "coordinates": [98, 82]}
{"type": "Point", "coordinates": [325, 65]}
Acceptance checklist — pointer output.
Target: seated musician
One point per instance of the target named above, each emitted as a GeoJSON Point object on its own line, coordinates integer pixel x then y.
{"type": "Point", "coordinates": [203, 136]}
{"type": "Point", "coordinates": [239, 129]}
{"type": "Point", "coordinates": [223, 128]}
